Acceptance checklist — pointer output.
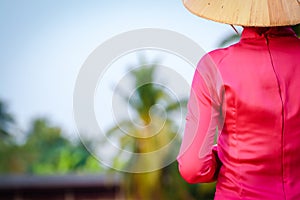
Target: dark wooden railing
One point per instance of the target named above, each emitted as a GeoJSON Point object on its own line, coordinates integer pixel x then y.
{"type": "Point", "coordinates": [67, 187]}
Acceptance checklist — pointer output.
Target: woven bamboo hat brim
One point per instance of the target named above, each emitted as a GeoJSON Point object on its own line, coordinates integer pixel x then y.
{"type": "Point", "coordinates": [260, 13]}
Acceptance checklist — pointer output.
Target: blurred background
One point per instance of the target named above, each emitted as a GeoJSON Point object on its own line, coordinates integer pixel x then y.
{"type": "Point", "coordinates": [43, 46]}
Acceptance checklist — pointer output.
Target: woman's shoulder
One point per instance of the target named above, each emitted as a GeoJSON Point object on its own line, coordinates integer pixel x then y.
{"type": "Point", "coordinates": [220, 54]}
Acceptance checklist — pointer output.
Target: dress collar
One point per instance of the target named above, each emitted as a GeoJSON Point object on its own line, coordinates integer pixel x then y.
{"type": "Point", "coordinates": [259, 32]}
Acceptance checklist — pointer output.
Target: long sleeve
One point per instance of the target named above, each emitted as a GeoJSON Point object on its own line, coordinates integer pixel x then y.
{"type": "Point", "coordinates": [198, 161]}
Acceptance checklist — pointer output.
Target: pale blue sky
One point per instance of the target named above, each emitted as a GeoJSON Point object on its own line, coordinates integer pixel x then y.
{"type": "Point", "coordinates": [44, 43]}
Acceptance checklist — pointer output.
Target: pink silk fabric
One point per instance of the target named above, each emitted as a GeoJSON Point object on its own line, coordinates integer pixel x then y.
{"type": "Point", "coordinates": [246, 98]}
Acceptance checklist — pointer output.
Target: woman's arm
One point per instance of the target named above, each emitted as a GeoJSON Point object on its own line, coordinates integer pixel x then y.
{"type": "Point", "coordinates": [197, 161]}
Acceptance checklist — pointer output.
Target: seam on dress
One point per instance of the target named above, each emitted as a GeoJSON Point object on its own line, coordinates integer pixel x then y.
{"type": "Point", "coordinates": [282, 115]}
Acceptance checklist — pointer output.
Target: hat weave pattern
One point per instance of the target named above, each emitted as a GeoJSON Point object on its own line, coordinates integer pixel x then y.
{"type": "Point", "coordinates": [260, 13]}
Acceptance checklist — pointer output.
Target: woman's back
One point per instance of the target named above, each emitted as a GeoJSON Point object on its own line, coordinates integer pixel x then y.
{"type": "Point", "coordinates": [259, 145]}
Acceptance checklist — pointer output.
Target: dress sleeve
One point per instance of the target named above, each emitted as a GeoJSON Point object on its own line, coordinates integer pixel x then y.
{"type": "Point", "coordinates": [198, 160]}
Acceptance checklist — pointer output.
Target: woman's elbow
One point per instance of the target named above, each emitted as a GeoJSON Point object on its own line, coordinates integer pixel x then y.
{"type": "Point", "coordinates": [187, 173]}
{"type": "Point", "coordinates": [193, 174]}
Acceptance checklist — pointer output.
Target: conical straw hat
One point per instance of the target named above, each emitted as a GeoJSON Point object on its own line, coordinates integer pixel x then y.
{"type": "Point", "coordinates": [261, 13]}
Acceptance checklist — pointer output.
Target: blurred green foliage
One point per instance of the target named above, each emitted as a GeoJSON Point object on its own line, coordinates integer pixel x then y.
{"type": "Point", "coordinates": [6, 120]}
{"type": "Point", "coordinates": [44, 152]}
